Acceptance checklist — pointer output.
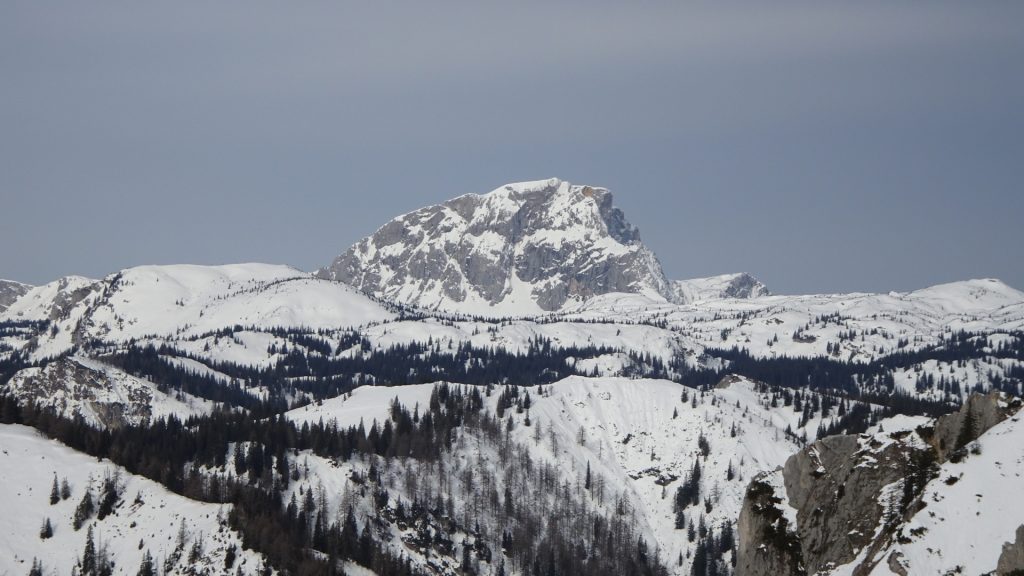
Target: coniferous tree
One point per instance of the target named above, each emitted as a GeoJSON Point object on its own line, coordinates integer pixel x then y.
{"type": "Point", "coordinates": [966, 429]}
{"type": "Point", "coordinates": [65, 489]}
{"type": "Point", "coordinates": [89, 561]}
{"type": "Point", "coordinates": [700, 560]}
{"type": "Point", "coordinates": [47, 530]}
{"type": "Point", "coordinates": [54, 492]}
{"type": "Point", "coordinates": [146, 568]}
{"type": "Point", "coordinates": [84, 510]}
{"type": "Point", "coordinates": [229, 557]}
{"type": "Point", "coordinates": [108, 497]}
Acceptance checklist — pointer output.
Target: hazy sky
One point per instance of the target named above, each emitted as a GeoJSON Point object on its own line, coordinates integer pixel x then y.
{"type": "Point", "coordinates": [819, 146]}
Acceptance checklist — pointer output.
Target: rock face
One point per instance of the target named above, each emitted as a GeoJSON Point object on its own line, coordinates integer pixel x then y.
{"type": "Point", "coordinates": [11, 291]}
{"type": "Point", "coordinates": [100, 394]}
{"type": "Point", "coordinates": [770, 545]}
{"type": "Point", "coordinates": [820, 483]}
{"type": "Point", "coordinates": [954, 430]}
{"type": "Point", "coordinates": [521, 249]}
{"type": "Point", "coordinates": [843, 500]}
{"type": "Point", "coordinates": [1011, 561]}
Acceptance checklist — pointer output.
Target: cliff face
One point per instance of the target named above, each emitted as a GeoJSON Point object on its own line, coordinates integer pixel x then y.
{"type": "Point", "coordinates": [1011, 561]}
{"type": "Point", "coordinates": [768, 544]}
{"type": "Point", "coordinates": [853, 501]}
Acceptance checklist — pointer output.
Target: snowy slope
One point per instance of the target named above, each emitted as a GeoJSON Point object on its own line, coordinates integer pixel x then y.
{"type": "Point", "coordinates": [147, 518]}
{"type": "Point", "coordinates": [972, 508]}
{"type": "Point", "coordinates": [366, 404]}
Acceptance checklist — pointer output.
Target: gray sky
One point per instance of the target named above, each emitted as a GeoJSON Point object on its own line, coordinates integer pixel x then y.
{"type": "Point", "coordinates": [820, 146]}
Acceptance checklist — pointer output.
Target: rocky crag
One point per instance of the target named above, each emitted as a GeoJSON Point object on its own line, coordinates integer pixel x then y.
{"type": "Point", "coordinates": [884, 502]}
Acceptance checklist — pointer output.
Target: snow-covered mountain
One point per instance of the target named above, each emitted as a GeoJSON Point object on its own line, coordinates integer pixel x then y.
{"type": "Point", "coordinates": [740, 285]}
{"type": "Point", "coordinates": [183, 301]}
{"type": "Point", "coordinates": [522, 249]}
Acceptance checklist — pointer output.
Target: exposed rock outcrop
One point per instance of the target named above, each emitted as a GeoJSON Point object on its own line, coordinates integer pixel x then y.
{"type": "Point", "coordinates": [850, 495]}
{"type": "Point", "coordinates": [1011, 561]}
{"type": "Point", "coordinates": [11, 291]}
{"type": "Point", "coordinates": [103, 395]}
{"type": "Point", "coordinates": [770, 546]}
{"type": "Point", "coordinates": [953, 431]}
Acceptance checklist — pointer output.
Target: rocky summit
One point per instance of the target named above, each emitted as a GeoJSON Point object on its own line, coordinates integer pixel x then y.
{"type": "Point", "coordinates": [524, 248]}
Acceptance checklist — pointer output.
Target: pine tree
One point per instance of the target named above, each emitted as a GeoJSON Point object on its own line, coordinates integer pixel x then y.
{"type": "Point", "coordinates": [84, 510]}
{"type": "Point", "coordinates": [47, 530]}
{"type": "Point", "coordinates": [196, 551]}
{"type": "Point", "coordinates": [147, 568]}
{"type": "Point", "coordinates": [229, 557]}
{"type": "Point", "coordinates": [966, 429]}
{"type": "Point", "coordinates": [108, 497]}
{"type": "Point", "coordinates": [65, 489]}
{"type": "Point", "coordinates": [700, 560]}
{"type": "Point", "coordinates": [54, 492]}
{"type": "Point", "coordinates": [509, 504]}
{"type": "Point", "coordinates": [586, 483]}
{"type": "Point", "coordinates": [88, 561]}
{"type": "Point", "coordinates": [37, 568]}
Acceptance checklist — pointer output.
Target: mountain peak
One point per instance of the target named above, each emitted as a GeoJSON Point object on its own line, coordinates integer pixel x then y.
{"type": "Point", "coordinates": [523, 248]}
